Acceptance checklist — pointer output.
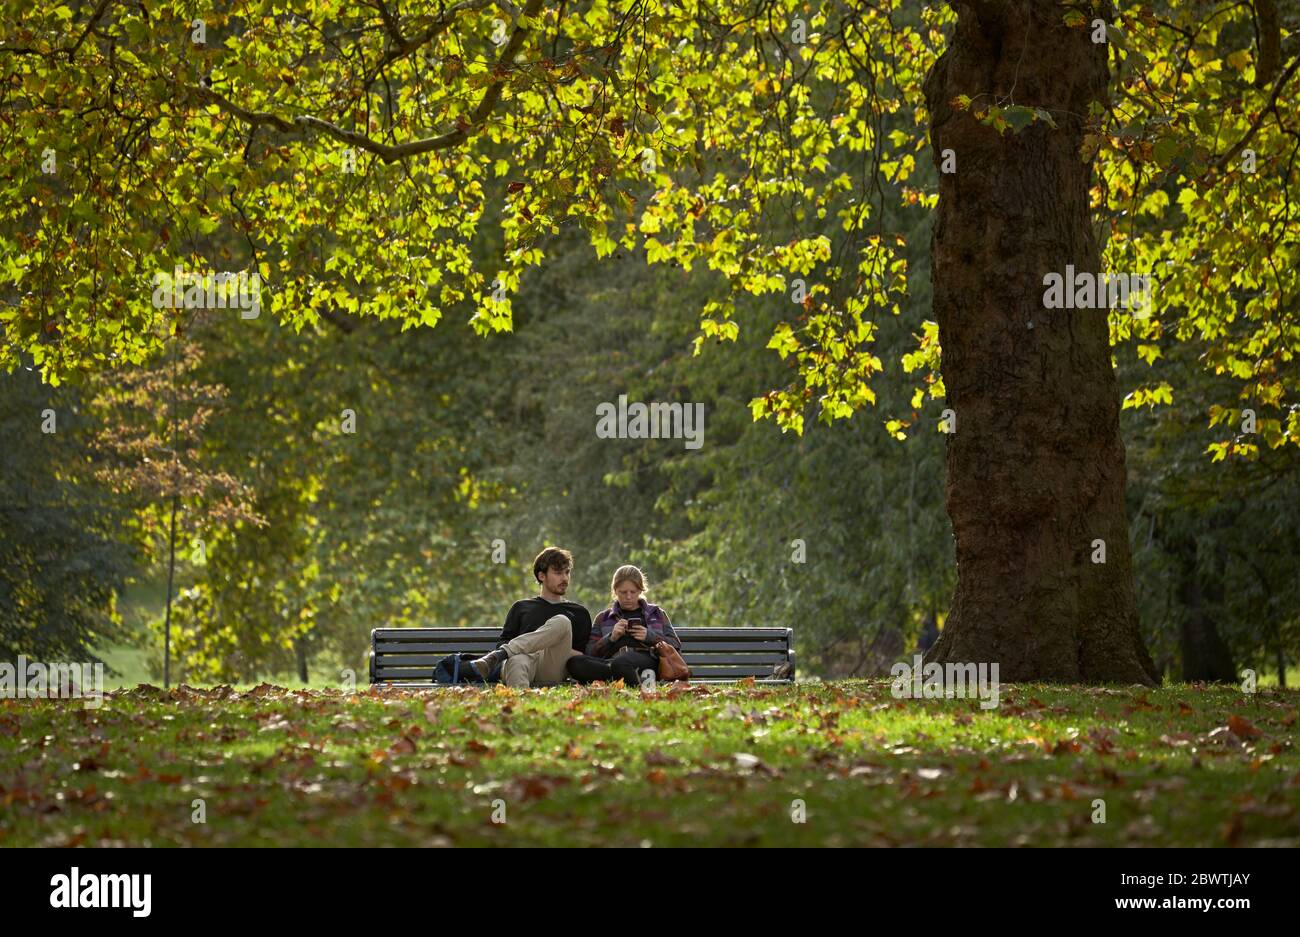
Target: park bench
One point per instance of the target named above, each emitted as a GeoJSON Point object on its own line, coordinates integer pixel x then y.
{"type": "Point", "coordinates": [405, 657]}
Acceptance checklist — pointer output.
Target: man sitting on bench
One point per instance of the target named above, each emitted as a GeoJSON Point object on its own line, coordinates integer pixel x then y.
{"type": "Point", "coordinates": [541, 633]}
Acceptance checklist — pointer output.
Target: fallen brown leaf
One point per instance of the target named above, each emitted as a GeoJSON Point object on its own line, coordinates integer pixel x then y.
{"type": "Point", "coordinates": [1243, 728]}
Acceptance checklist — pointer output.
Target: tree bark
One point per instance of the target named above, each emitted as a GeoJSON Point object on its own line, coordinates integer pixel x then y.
{"type": "Point", "coordinates": [1036, 465]}
{"type": "Point", "coordinates": [1205, 654]}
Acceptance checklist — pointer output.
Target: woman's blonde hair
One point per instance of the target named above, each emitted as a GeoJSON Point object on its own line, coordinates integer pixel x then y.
{"type": "Point", "coordinates": [627, 574]}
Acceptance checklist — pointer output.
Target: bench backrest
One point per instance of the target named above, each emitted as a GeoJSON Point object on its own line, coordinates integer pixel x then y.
{"type": "Point", "coordinates": [406, 656]}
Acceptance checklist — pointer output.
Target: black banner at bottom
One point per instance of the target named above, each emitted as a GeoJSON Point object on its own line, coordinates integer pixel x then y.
{"type": "Point", "coordinates": [141, 888]}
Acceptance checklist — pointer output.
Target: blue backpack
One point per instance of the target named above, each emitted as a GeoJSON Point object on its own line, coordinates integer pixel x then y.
{"type": "Point", "coordinates": [455, 668]}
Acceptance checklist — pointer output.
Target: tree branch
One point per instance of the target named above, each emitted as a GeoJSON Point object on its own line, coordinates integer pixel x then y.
{"type": "Point", "coordinates": [1270, 42]}
{"type": "Point", "coordinates": [342, 323]}
{"type": "Point", "coordinates": [94, 21]}
{"type": "Point", "coordinates": [1240, 145]}
{"type": "Point", "coordinates": [391, 24]}
{"type": "Point", "coordinates": [387, 152]}
{"type": "Point", "coordinates": [404, 47]}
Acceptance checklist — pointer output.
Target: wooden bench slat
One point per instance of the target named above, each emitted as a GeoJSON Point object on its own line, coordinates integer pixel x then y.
{"type": "Point", "coordinates": [443, 651]}
{"type": "Point", "coordinates": [688, 642]}
{"type": "Point", "coordinates": [426, 685]}
{"type": "Point", "coordinates": [767, 657]}
{"type": "Point", "coordinates": [424, 634]}
{"type": "Point", "coordinates": [429, 660]}
{"type": "Point", "coordinates": [421, 634]}
{"type": "Point", "coordinates": [432, 647]}
{"type": "Point", "coordinates": [734, 670]}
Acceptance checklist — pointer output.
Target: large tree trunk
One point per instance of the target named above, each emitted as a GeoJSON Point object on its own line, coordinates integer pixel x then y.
{"type": "Point", "coordinates": [1205, 654]}
{"type": "Point", "coordinates": [1036, 465]}
{"type": "Point", "coordinates": [300, 648]}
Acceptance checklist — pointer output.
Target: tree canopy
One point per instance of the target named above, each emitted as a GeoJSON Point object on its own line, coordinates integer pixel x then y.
{"type": "Point", "coordinates": [381, 167]}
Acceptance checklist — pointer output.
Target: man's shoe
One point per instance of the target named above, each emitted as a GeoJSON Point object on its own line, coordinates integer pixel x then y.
{"type": "Point", "coordinates": [484, 665]}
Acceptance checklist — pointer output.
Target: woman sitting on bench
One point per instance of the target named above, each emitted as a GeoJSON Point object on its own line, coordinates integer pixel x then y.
{"type": "Point", "coordinates": [624, 635]}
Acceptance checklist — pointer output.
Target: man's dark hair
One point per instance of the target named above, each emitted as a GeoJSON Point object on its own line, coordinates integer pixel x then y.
{"type": "Point", "coordinates": [551, 558]}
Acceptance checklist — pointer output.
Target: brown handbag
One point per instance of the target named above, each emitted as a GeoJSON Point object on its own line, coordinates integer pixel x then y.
{"type": "Point", "coordinates": [671, 664]}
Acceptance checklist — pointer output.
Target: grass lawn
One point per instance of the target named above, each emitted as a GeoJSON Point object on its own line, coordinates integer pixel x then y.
{"type": "Point", "coordinates": [605, 765]}
{"type": "Point", "coordinates": [130, 666]}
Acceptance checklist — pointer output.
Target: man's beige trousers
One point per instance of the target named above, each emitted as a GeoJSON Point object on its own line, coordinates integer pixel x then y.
{"type": "Point", "coordinates": [538, 658]}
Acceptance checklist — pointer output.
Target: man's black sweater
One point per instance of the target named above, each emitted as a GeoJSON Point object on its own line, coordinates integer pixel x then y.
{"type": "Point", "coordinates": [527, 615]}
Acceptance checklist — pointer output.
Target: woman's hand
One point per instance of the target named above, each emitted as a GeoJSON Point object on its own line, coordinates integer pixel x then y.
{"type": "Point", "coordinates": [620, 629]}
{"type": "Point", "coordinates": [639, 632]}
